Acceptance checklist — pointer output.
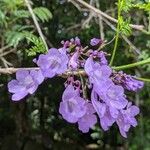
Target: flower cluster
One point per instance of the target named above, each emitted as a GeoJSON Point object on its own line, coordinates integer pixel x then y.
{"type": "Point", "coordinates": [108, 100]}
{"type": "Point", "coordinates": [76, 109]}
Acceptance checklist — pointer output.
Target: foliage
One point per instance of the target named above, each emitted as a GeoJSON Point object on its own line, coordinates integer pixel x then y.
{"type": "Point", "coordinates": [126, 5]}
{"type": "Point", "coordinates": [14, 17]}
{"type": "Point", "coordinates": [38, 45]}
{"type": "Point", "coordinates": [143, 6]}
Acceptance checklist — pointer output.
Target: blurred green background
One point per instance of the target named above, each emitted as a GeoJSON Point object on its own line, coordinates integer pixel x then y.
{"type": "Point", "coordinates": [34, 123]}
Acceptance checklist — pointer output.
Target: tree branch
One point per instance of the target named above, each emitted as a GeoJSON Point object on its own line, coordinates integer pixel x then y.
{"type": "Point", "coordinates": [99, 12]}
{"type": "Point", "coordinates": [36, 23]}
{"type": "Point", "coordinates": [79, 72]}
{"type": "Point", "coordinates": [14, 70]}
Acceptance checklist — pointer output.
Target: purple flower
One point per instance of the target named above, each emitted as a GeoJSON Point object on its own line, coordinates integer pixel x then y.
{"type": "Point", "coordinates": [73, 62]}
{"type": "Point", "coordinates": [114, 97]}
{"type": "Point", "coordinates": [103, 60]}
{"type": "Point", "coordinates": [132, 84]}
{"type": "Point", "coordinates": [26, 83]}
{"type": "Point", "coordinates": [77, 41]}
{"type": "Point", "coordinates": [88, 120]}
{"type": "Point", "coordinates": [107, 120]}
{"type": "Point", "coordinates": [96, 72]}
{"type": "Point", "coordinates": [111, 94]}
{"type": "Point", "coordinates": [127, 81]}
{"type": "Point", "coordinates": [53, 63]}
{"type": "Point", "coordinates": [95, 41]}
{"type": "Point", "coordinates": [99, 106]}
{"type": "Point", "coordinates": [101, 87]}
{"type": "Point", "coordinates": [126, 118]}
{"type": "Point", "coordinates": [130, 113]}
{"type": "Point", "coordinates": [63, 50]}
{"type": "Point", "coordinates": [74, 109]}
{"type": "Point", "coordinates": [72, 106]}
{"type": "Point", "coordinates": [103, 111]}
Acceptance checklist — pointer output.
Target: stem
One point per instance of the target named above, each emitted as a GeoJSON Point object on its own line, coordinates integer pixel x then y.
{"type": "Point", "coordinates": [117, 34]}
{"type": "Point", "coordinates": [83, 87]}
{"type": "Point", "coordinates": [143, 62]}
{"type": "Point", "coordinates": [149, 21]}
{"type": "Point", "coordinates": [142, 79]}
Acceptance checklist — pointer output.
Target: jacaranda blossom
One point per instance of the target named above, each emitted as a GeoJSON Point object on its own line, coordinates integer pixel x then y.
{"type": "Point", "coordinates": [77, 41]}
{"type": "Point", "coordinates": [127, 81]}
{"type": "Point", "coordinates": [103, 111]}
{"type": "Point", "coordinates": [99, 105]}
{"type": "Point", "coordinates": [95, 41]}
{"type": "Point", "coordinates": [73, 62]}
{"type": "Point", "coordinates": [96, 72]}
{"type": "Point", "coordinates": [103, 60]}
{"type": "Point", "coordinates": [72, 106]}
{"type": "Point", "coordinates": [132, 84]}
{"type": "Point", "coordinates": [26, 83]}
{"type": "Point", "coordinates": [88, 120]}
{"type": "Point", "coordinates": [107, 120]}
{"type": "Point", "coordinates": [126, 118]}
{"type": "Point", "coordinates": [114, 96]}
{"type": "Point", "coordinates": [53, 63]}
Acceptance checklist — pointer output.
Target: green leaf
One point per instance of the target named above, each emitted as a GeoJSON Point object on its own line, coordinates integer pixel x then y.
{"type": "Point", "coordinates": [3, 18]}
{"type": "Point", "coordinates": [19, 27]}
{"type": "Point", "coordinates": [38, 46]}
{"type": "Point", "coordinates": [2, 15]}
{"type": "Point", "coordinates": [42, 13]}
{"type": "Point", "coordinates": [145, 6]}
{"type": "Point", "coordinates": [126, 5]}
{"type": "Point", "coordinates": [124, 26]}
{"type": "Point", "coordinates": [13, 38]}
{"type": "Point", "coordinates": [22, 14]}
{"type": "Point", "coordinates": [13, 4]}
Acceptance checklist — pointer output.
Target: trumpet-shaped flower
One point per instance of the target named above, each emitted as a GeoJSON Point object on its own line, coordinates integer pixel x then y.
{"type": "Point", "coordinates": [26, 83]}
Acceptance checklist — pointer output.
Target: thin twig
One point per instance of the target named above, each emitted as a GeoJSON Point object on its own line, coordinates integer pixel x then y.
{"type": "Point", "coordinates": [3, 48]}
{"type": "Point", "coordinates": [73, 27]}
{"type": "Point", "coordinates": [14, 70]}
{"type": "Point", "coordinates": [101, 28]}
{"type": "Point", "coordinates": [5, 62]}
{"type": "Point", "coordinates": [131, 45]}
{"type": "Point", "coordinates": [36, 22]}
{"type": "Point", "coordinates": [124, 37]}
{"type": "Point", "coordinates": [99, 12]}
{"type": "Point", "coordinates": [100, 22]}
{"type": "Point", "coordinates": [83, 87]}
{"type": "Point", "coordinates": [87, 21]}
{"type": "Point", "coordinates": [8, 52]}
{"type": "Point", "coordinates": [76, 5]}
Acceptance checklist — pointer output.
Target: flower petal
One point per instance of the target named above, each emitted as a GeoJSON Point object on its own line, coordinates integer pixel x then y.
{"type": "Point", "coordinates": [19, 96]}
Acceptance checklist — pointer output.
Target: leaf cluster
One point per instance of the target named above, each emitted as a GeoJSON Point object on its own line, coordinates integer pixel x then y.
{"type": "Point", "coordinates": [38, 46]}
{"type": "Point", "coordinates": [17, 25]}
{"type": "Point", "coordinates": [143, 6]}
